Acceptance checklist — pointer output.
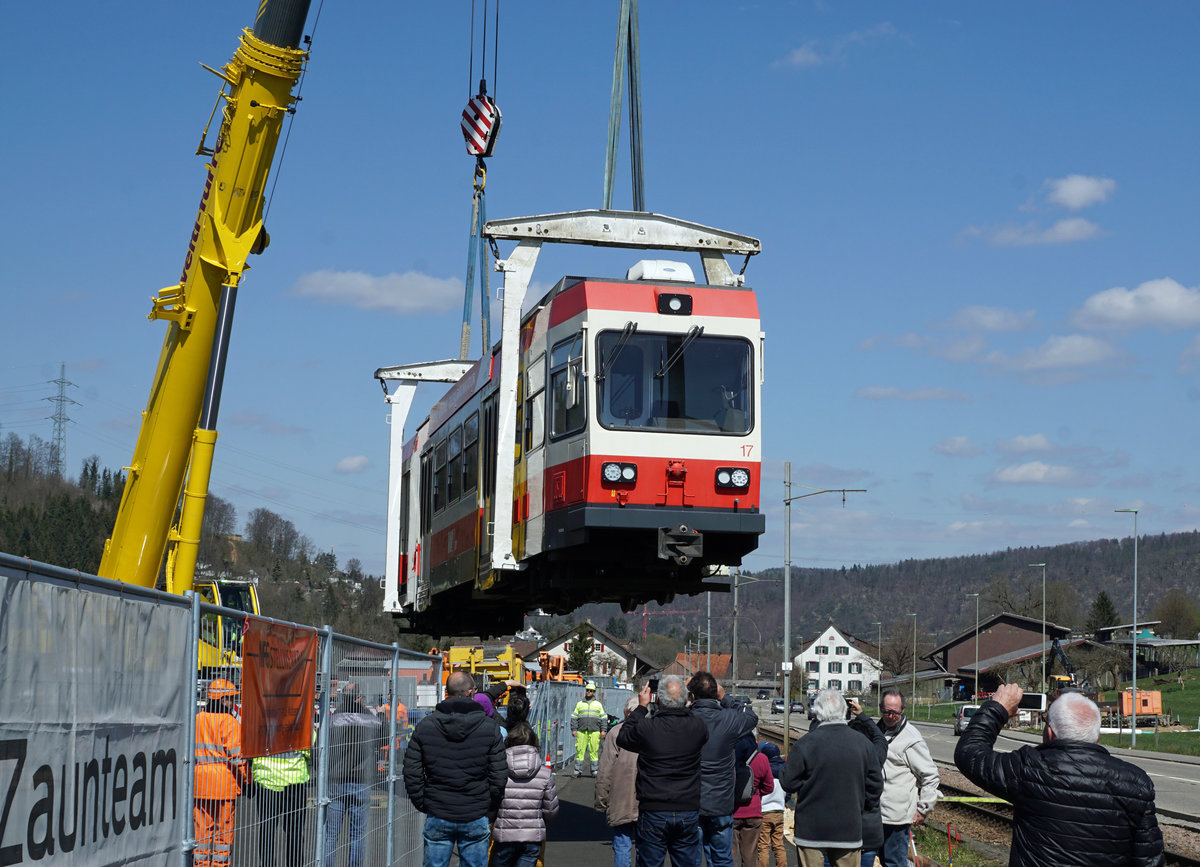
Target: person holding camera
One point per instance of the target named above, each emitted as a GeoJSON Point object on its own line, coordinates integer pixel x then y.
{"type": "Point", "coordinates": [1073, 803]}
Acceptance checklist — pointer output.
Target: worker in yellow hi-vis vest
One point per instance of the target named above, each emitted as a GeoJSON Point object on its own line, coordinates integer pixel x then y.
{"type": "Point", "coordinates": [589, 723]}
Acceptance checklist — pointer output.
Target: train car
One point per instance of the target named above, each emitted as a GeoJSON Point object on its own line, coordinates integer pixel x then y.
{"type": "Point", "coordinates": [618, 461]}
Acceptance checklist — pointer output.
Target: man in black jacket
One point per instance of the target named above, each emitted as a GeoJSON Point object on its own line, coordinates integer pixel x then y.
{"type": "Point", "coordinates": [1073, 803]}
{"type": "Point", "coordinates": [455, 771]}
{"type": "Point", "coordinates": [356, 734]}
{"type": "Point", "coordinates": [836, 777]}
{"type": "Point", "coordinates": [668, 775]}
{"type": "Point", "coordinates": [727, 724]}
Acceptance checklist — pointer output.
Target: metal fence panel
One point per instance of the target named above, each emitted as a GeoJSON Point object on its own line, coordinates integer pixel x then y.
{"type": "Point", "coordinates": [550, 707]}
{"type": "Point", "coordinates": [95, 694]}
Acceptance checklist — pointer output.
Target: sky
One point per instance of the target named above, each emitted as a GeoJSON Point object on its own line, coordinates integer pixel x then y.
{"type": "Point", "coordinates": [980, 277]}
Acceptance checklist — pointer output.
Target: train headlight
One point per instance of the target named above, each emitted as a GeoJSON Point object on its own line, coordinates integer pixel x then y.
{"type": "Point", "coordinates": [737, 478]}
{"type": "Point", "coordinates": [619, 473]}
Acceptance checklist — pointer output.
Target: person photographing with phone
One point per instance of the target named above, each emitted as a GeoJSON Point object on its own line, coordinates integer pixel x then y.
{"type": "Point", "coordinates": [1073, 803]}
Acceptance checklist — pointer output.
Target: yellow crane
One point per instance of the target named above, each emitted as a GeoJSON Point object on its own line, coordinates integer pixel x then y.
{"type": "Point", "coordinates": [172, 461]}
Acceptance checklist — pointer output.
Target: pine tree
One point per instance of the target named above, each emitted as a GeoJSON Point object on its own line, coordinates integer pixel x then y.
{"type": "Point", "coordinates": [1102, 615]}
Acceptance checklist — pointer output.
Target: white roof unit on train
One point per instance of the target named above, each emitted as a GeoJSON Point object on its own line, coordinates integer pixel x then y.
{"type": "Point", "coordinates": [661, 270]}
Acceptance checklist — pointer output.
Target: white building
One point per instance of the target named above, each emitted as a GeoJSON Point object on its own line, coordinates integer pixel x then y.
{"type": "Point", "coordinates": [838, 661]}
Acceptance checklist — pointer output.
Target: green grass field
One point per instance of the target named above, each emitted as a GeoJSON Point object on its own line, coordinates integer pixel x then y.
{"type": "Point", "coordinates": [933, 844]}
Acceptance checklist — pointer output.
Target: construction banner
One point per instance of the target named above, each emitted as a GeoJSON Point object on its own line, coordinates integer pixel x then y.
{"type": "Point", "coordinates": [279, 665]}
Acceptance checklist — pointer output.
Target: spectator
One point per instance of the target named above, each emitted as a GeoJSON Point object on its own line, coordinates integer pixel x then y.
{"type": "Point", "coordinates": [910, 780]}
{"type": "Point", "coordinates": [770, 838]}
{"type": "Point", "coordinates": [589, 722]}
{"type": "Point", "coordinates": [835, 775]}
{"type": "Point", "coordinates": [356, 734]}
{"type": "Point", "coordinates": [616, 792]}
{"type": "Point", "coordinates": [668, 745]}
{"type": "Point", "coordinates": [455, 771]}
{"type": "Point", "coordinates": [220, 774]}
{"type": "Point", "coordinates": [282, 799]}
{"type": "Point", "coordinates": [1073, 803]}
{"type": "Point", "coordinates": [872, 823]}
{"type": "Point", "coordinates": [727, 723]}
{"type": "Point", "coordinates": [530, 801]}
{"type": "Point", "coordinates": [748, 818]}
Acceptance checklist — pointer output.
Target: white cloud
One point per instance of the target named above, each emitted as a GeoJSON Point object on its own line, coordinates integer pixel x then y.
{"type": "Point", "coordinates": [1080, 524]}
{"type": "Point", "coordinates": [1163, 304]}
{"type": "Point", "coordinates": [410, 292]}
{"type": "Point", "coordinates": [957, 447]}
{"type": "Point", "coordinates": [353, 464]}
{"type": "Point", "coordinates": [809, 55]}
{"type": "Point", "coordinates": [1059, 353]}
{"type": "Point", "coordinates": [1079, 191]}
{"type": "Point", "coordinates": [1039, 473]}
{"type": "Point", "coordinates": [801, 58]}
{"type": "Point", "coordinates": [1066, 231]}
{"type": "Point", "coordinates": [887, 392]}
{"type": "Point", "coordinates": [991, 319]}
{"type": "Point", "coordinates": [1025, 444]}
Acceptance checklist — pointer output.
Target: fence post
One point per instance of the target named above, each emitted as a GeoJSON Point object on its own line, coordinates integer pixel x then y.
{"type": "Point", "coordinates": [323, 742]}
{"type": "Point", "coordinates": [391, 753]}
{"type": "Point", "coordinates": [188, 792]}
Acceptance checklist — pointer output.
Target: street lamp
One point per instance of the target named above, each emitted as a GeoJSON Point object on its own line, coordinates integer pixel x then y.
{"type": "Point", "coordinates": [1133, 690]}
{"type": "Point", "coordinates": [879, 651]}
{"type": "Point", "coordinates": [976, 595]}
{"type": "Point", "coordinates": [1034, 566]}
{"type": "Point", "coordinates": [913, 615]}
{"type": "Point", "coordinates": [787, 591]}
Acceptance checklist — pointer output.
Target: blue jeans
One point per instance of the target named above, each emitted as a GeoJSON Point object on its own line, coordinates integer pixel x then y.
{"type": "Point", "coordinates": [868, 859]}
{"type": "Point", "coordinates": [516, 854]}
{"type": "Point", "coordinates": [355, 799]}
{"type": "Point", "coordinates": [717, 832]}
{"type": "Point", "coordinates": [895, 846]}
{"type": "Point", "coordinates": [441, 835]}
{"type": "Point", "coordinates": [675, 832]}
{"type": "Point", "coordinates": [623, 837]}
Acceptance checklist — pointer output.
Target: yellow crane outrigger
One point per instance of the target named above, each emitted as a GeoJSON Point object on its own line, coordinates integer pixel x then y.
{"type": "Point", "coordinates": [173, 456]}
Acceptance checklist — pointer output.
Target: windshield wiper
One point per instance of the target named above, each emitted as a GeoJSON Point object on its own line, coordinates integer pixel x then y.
{"type": "Point", "coordinates": [684, 344]}
{"type": "Point", "coordinates": [626, 332]}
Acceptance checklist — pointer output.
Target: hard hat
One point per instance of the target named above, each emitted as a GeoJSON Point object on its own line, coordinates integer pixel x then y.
{"type": "Point", "coordinates": [221, 688]}
{"type": "Point", "coordinates": [591, 684]}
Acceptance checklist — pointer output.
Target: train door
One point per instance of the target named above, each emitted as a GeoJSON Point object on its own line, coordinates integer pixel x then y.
{"type": "Point", "coordinates": [533, 437]}
{"type": "Point", "coordinates": [487, 495]}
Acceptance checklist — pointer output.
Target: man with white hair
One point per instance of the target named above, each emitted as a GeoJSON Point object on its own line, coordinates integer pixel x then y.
{"type": "Point", "coordinates": [835, 774]}
{"type": "Point", "coordinates": [1073, 803]}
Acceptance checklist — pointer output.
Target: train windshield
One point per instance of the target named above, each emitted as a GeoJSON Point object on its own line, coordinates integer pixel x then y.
{"type": "Point", "coordinates": [674, 382]}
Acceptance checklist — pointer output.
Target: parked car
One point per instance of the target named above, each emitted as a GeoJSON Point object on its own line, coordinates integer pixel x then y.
{"type": "Point", "coordinates": [797, 705]}
{"type": "Point", "coordinates": [740, 698]}
{"type": "Point", "coordinates": [763, 693]}
{"type": "Point", "coordinates": [777, 705]}
{"type": "Point", "coordinates": [962, 718]}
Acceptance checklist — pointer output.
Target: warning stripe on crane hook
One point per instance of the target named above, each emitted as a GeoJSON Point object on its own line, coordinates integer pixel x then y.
{"type": "Point", "coordinates": [481, 125]}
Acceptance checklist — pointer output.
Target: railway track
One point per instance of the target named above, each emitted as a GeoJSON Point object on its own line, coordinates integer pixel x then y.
{"type": "Point", "coordinates": [986, 824]}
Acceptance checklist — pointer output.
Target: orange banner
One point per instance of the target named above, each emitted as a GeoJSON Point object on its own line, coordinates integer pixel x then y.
{"type": "Point", "coordinates": [279, 666]}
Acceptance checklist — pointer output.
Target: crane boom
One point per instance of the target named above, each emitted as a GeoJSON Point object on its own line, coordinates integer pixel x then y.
{"type": "Point", "coordinates": [173, 456]}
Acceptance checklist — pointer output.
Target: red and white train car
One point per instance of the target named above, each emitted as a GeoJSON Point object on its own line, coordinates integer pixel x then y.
{"type": "Point", "coordinates": [612, 455]}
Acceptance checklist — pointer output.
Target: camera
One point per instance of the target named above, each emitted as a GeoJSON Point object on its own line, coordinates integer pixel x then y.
{"type": "Point", "coordinates": [653, 684]}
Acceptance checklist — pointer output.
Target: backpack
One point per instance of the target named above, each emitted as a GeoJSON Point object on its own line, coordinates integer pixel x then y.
{"type": "Point", "coordinates": [743, 781]}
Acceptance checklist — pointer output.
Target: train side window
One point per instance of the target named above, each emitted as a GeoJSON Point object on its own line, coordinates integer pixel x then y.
{"type": "Point", "coordinates": [439, 476]}
{"type": "Point", "coordinates": [567, 408]}
{"type": "Point", "coordinates": [454, 475]}
{"type": "Point", "coordinates": [426, 493]}
{"type": "Point", "coordinates": [470, 463]}
{"type": "Point", "coordinates": [519, 438]}
{"type": "Point", "coordinates": [535, 406]}
{"type": "Point", "coordinates": [405, 482]}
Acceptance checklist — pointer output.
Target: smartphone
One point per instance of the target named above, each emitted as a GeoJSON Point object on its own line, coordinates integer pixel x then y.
{"type": "Point", "coordinates": [653, 684]}
{"type": "Point", "coordinates": [1033, 701]}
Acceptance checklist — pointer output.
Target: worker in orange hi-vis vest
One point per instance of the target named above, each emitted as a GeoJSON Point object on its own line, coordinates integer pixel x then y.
{"type": "Point", "coordinates": [220, 774]}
